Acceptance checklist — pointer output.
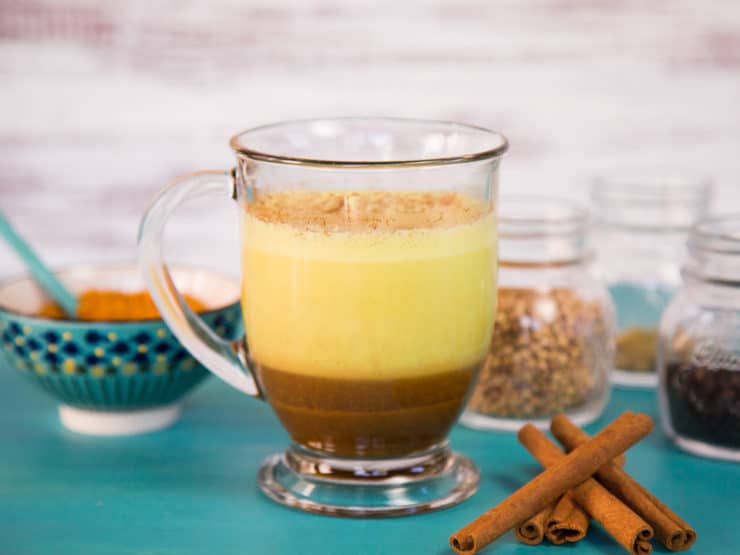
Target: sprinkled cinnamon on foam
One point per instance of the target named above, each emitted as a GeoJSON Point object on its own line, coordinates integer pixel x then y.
{"type": "Point", "coordinates": [366, 210]}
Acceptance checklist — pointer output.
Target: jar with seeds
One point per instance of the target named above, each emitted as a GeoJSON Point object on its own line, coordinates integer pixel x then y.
{"type": "Point", "coordinates": [552, 345]}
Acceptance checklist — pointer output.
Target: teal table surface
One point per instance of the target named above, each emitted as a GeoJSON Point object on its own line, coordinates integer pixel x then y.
{"type": "Point", "coordinates": [191, 489]}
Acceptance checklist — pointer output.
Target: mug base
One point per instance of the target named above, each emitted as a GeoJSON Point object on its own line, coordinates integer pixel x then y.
{"type": "Point", "coordinates": [118, 423]}
{"type": "Point", "coordinates": [430, 481]}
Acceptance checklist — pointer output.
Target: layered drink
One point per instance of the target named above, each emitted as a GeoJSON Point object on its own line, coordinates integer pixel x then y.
{"type": "Point", "coordinates": [368, 314]}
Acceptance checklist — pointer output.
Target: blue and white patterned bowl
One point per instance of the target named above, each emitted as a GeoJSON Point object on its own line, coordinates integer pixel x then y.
{"type": "Point", "coordinates": [111, 377]}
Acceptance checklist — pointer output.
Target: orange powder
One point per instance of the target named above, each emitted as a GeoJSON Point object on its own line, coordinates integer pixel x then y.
{"type": "Point", "coordinates": [101, 305]}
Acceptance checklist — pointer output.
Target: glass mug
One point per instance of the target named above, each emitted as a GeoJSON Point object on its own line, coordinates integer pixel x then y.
{"type": "Point", "coordinates": [368, 293]}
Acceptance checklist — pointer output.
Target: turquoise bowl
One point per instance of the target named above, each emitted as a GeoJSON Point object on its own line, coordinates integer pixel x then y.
{"type": "Point", "coordinates": [112, 377]}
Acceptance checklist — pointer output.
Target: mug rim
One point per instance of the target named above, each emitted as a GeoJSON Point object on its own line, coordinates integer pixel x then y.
{"type": "Point", "coordinates": [501, 146]}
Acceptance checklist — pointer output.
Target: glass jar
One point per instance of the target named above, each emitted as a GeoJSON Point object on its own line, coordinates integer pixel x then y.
{"type": "Point", "coordinates": [552, 345]}
{"type": "Point", "coordinates": [641, 227]}
{"type": "Point", "coordinates": [699, 347]}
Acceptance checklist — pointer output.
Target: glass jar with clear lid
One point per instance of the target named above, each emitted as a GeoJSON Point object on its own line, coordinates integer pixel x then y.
{"type": "Point", "coordinates": [699, 347]}
{"type": "Point", "coordinates": [552, 345]}
{"type": "Point", "coordinates": [642, 221]}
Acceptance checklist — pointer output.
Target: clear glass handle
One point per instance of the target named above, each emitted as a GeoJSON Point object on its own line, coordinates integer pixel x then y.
{"type": "Point", "coordinates": [229, 361]}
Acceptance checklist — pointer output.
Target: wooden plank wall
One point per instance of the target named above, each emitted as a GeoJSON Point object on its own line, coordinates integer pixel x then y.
{"type": "Point", "coordinates": [102, 102]}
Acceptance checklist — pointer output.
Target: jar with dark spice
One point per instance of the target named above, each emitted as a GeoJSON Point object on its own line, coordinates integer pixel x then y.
{"type": "Point", "coordinates": [642, 222]}
{"type": "Point", "coordinates": [552, 345]}
{"type": "Point", "coordinates": [699, 345]}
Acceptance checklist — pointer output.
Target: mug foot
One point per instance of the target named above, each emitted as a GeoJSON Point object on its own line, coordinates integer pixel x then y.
{"type": "Point", "coordinates": [433, 480]}
{"type": "Point", "coordinates": [115, 423]}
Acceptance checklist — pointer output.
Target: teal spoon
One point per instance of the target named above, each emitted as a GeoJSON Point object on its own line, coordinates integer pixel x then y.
{"type": "Point", "coordinates": [40, 272]}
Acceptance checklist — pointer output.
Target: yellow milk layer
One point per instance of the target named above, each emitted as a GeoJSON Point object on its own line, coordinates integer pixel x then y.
{"type": "Point", "coordinates": [368, 294]}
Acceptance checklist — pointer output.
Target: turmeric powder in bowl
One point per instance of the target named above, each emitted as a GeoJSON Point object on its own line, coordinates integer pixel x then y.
{"type": "Point", "coordinates": [97, 305]}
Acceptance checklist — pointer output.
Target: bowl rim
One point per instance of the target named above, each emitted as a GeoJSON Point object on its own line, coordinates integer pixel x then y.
{"type": "Point", "coordinates": [153, 322]}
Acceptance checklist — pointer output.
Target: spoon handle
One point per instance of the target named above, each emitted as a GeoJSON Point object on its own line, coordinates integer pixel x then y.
{"type": "Point", "coordinates": [40, 272]}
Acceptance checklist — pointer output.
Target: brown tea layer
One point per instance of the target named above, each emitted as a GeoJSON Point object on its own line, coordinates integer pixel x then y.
{"type": "Point", "coordinates": [367, 418]}
{"type": "Point", "coordinates": [366, 210]}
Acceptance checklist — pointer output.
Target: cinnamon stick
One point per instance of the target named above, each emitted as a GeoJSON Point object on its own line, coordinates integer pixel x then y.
{"type": "Point", "coordinates": [670, 529]}
{"type": "Point", "coordinates": [567, 522]}
{"type": "Point", "coordinates": [545, 488]}
{"type": "Point", "coordinates": [627, 528]}
{"type": "Point", "coordinates": [532, 530]}
{"type": "Point", "coordinates": [620, 460]}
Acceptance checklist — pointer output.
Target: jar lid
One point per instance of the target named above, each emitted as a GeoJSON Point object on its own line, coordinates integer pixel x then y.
{"type": "Point", "coordinates": [714, 245]}
{"type": "Point", "coordinates": [651, 200]}
{"type": "Point", "coordinates": [541, 230]}
{"type": "Point", "coordinates": [717, 235]}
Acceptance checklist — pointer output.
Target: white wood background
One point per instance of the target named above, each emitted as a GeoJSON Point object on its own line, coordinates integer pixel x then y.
{"type": "Point", "coordinates": [101, 103]}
